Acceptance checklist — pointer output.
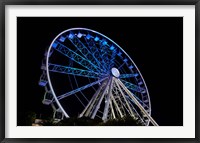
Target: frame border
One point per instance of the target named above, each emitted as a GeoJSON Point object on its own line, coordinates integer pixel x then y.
{"type": "Point", "coordinates": [3, 4]}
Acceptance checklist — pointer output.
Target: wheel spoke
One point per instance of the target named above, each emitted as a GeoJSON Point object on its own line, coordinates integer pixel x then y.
{"type": "Point", "coordinates": [112, 58]}
{"type": "Point", "coordinates": [79, 89]}
{"type": "Point", "coordinates": [104, 53]}
{"type": "Point", "coordinates": [132, 86]}
{"type": "Point", "coordinates": [84, 50]}
{"type": "Point", "coordinates": [74, 56]}
{"type": "Point", "coordinates": [128, 75]}
{"type": "Point", "coordinates": [75, 93]}
{"type": "Point", "coordinates": [73, 71]}
{"type": "Point", "coordinates": [91, 44]}
{"type": "Point", "coordinates": [119, 68]}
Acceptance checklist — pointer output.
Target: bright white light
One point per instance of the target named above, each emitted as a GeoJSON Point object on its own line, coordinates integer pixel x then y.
{"type": "Point", "coordinates": [115, 72]}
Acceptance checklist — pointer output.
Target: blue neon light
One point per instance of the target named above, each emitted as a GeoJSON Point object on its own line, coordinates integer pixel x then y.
{"type": "Point", "coordinates": [96, 39]}
{"type": "Point", "coordinates": [75, 57]}
{"type": "Point", "coordinates": [73, 71]}
{"type": "Point", "coordinates": [125, 60]}
{"type": "Point", "coordinates": [85, 52]}
{"type": "Point", "coordinates": [130, 67]}
{"type": "Point", "coordinates": [119, 54]}
{"type": "Point", "coordinates": [62, 39]}
{"type": "Point", "coordinates": [104, 42]}
{"type": "Point", "coordinates": [88, 36]}
{"type": "Point", "coordinates": [54, 45]}
{"type": "Point", "coordinates": [132, 86]}
{"type": "Point", "coordinates": [79, 35]}
{"type": "Point", "coordinates": [112, 48]}
{"type": "Point", "coordinates": [71, 36]}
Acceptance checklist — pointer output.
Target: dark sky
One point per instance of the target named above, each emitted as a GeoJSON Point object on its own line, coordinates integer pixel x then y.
{"type": "Point", "coordinates": [154, 44]}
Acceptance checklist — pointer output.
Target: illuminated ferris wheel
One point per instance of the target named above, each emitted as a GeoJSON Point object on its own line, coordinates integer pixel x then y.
{"type": "Point", "coordinates": [86, 72]}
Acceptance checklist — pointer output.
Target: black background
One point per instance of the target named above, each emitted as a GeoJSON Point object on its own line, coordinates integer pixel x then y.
{"type": "Point", "coordinates": [154, 44]}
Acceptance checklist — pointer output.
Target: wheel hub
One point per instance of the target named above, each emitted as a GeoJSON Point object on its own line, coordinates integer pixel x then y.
{"type": "Point", "coordinates": [115, 72]}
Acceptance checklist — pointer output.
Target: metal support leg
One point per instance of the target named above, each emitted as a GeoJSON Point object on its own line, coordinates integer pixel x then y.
{"type": "Point", "coordinates": [91, 102]}
{"type": "Point", "coordinates": [137, 103]}
{"type": "Point", "coordinates": [115, 103]}
{"type": "Point", "coordinates": [132, 114]}
{"type": "Point", "coordinates": [107, 101]}
{"type": "Point", "coordinates": [100, 100]}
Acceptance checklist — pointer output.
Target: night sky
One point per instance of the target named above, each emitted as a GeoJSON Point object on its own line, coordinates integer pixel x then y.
{"type": "Point", "coordinates": [154, 44]}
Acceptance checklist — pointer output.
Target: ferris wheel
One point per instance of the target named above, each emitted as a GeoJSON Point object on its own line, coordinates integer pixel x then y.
{"type": "Point", "coordinates": [87, 74]}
